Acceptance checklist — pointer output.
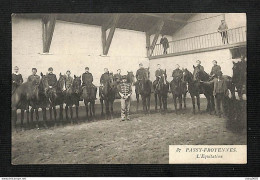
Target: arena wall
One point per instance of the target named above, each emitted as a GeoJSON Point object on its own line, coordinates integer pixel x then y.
{"type": "Point", "coordinates": [74, 46]}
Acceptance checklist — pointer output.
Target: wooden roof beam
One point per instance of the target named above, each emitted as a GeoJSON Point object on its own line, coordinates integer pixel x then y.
{"type": "Point", "coordinates": [165, 17]}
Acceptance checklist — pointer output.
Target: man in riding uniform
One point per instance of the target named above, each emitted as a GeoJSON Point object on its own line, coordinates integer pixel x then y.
{"type": "Point", "coordinates": [165, 44]}
{"type": "Point", "coordinates": [219, 92]}
{"type": "Point", "coordinates": [141, 73]}
{"type": "Point", "coordinates": [34, 76]}
{"type": "Point", "coordinates": [215, 69]}
{"type": "Point", "coordinates": [158, 74]}
{"type": "Point", "coordinates": [52, 79]}
{"type": "Point", "coordinates": [104, 77]}
{"type": "Point", "coordinates": [117, 77]}
{"type": "Point", "coordinates": [177, 73]}
{"type": "Point", "coordinates": [199, 66]}
{"type": "Point", "coordinates": [125, 91]}
{"type": "Point", "coordinates": [87, 78]}
{"type": "Point", "coordinates": [17, 79]}
{"type": "Point", "coordinates": [68, 81]}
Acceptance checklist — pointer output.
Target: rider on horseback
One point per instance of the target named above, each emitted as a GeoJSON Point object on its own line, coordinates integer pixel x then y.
{"type": "Point", "coordinates": [141, 74]}
{"type": "Point", "coordinates": [87, 80]}
{"type": "Point", "coordinates": [215, 70]}
{"type": "Point", "coordinates": [117, 77]}
{"type": "Point", "coordinates": [105, 77]}
{"type": "Point", "coordinates": [52, 80]}
{"type": "Point", "coordinates": [68, 81]}
{"type": "Point", "coordinates": [34, 76]}
{"type": "Point", "coordinates": [17, 79]}
{"type": "Point", "coordinates": [177, 73]}
{"type": "Point", "coordinates": [158, 74]}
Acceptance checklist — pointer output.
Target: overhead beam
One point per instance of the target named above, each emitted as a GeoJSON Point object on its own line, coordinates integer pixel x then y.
{"type": "Point", "coordinates": [148, 43]}
{"type": "Point", "coordinates": [158, 28]}
{"type": "Point", "coordinates": [48, 26]}
{"type": "Point", "coordinates": [107, 42]}
{"type": "Point", "coordinates": [155, 28]}
{"type": "Point", "coordinates": [165, 17]}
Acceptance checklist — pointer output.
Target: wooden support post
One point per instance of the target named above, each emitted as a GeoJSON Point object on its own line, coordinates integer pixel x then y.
{"type": "Point", "coordinates": [107, 42]}
{"type": "Point", "coordinates": [148, 43]}
{"type": "Point", "coordinates": [48, 25]}
{"type": "Point", "coordinates": [158, 31]}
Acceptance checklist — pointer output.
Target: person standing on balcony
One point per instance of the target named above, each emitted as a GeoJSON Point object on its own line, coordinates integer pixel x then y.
{"type": "Point", "coordinates": [222, 29]}
{"type": "Point", "coordinates": [215, 69]}
{"type": "Point", "coordinates": [165, 43]}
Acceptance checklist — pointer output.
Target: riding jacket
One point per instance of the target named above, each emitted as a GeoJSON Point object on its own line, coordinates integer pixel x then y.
{"type": "Point", "coordinates": [141, 74]}
{"type": "Point", "coordinates": [87, 78]}
{"type": "Point", "coordinates": [215, 69]}
{"type": "Point", "coordinates": [104, 78]}
{"type": "Point", "coordinates": [164, 42]}
{"type": "Point", "coordinates": [17, 78]}
{"type": "Point", "coordinates": [52, 80]}
{"type": "Point", "coordinates": [35, 78]}
{"type": "Point", "coordinates": [177, 74]}
{"type": "Point", "coordinates": [68, 82]}
{"type": "Point", "coordinates": [159, 72]}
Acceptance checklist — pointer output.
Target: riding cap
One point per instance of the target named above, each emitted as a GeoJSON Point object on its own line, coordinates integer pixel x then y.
{"type": "Point", "coordinates": [119, 69]}
{"type": "Point", "coordinates": [68, 71]}
{"type": "Point", "coordinates": [86, 68]}
{"type": "Point", "coordinates": [34, 69]}
{"type": "Point", "coordinates": [16, 67]}
{"type": "Point", "coordinates": [214, 61]}
{"type": "Point", "coordinates": [198, 61]}
{"type": "Point", "coordinates": [50, 69]}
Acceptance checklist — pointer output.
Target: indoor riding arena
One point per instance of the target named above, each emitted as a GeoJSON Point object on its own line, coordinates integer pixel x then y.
{"type": "Point", "coordinates": [71, 45]}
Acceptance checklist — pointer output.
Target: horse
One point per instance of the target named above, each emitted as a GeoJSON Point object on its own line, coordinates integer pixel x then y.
{"type": "Point", "coordinates": [161, 89]}
{"type": "Point", "coordinates": [208, 89]}
{"type": "Point", "coordinates": [130, 77]}
{"type": "Point", "coordinates": [178, 88]}
{"type": "Point", "coordinates": [239, 77]}
{"type": "Point", "coordinates": [107, 94]}
{"type": "Point", "coordinates": [193, 88]}
{"type": "Point", "coordinates": [89, 96]}
{"type": "Point", "coordinates": [22, 97]}
{"type": "Point", "coordinates": [72, 97]}
{"type": "Point", "coordinates": [61, 94]}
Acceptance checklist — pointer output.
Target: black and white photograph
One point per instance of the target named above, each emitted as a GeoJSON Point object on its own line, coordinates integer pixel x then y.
{"type": "Point", "coordinates": [122, 88]}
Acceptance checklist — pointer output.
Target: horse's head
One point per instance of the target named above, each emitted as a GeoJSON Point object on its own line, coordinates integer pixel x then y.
{"type": "Point", "coordinates": [76, 84]}
{"type": "Point", "coordinates": [239, 71]}
{"type": "Point", "coordinates": [187, 75]}
{"type": "Point", "coordinates": [44, 85]}
{"type": "Point", "coordinates": [61, 82]}
{"type": "Point", "coordinates": [130, 77]}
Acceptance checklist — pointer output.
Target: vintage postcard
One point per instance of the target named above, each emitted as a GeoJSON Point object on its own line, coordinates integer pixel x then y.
{"type": "Point", "coordinates": [129, 88]}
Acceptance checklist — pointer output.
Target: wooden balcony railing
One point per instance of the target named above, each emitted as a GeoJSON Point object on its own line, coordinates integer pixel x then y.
{"type": "Point", "coordinates": [234, 36]}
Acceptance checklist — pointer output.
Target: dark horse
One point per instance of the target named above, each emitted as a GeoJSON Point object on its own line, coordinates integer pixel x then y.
{"type": "Point", "coordinates": [161, 89]}
{"type": "Point", "coordinates": [107, 94]}
{"type": "Point", "coordinates": [72, 97]}
{"type": "Point", "coordinates": [22, 97]}
{"type": "Point", "coordinates": [130, 77]}
{"type": "Point", "coordinates": [193, 88]}
{"type": "Point", "coordinates": [239, 77]}
{"type": "Point", "coordinates": [144, 88]}
{"type": "Point", "coordinates": [89, 96]}
{"type": "Point", "coordinates": [179, 90]}
{"type": "Point", "coordinates": [208, 88]}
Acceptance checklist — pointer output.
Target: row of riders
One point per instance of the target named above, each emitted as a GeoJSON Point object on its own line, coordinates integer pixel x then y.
{"type": "Point", "coordinates": [48, 92]}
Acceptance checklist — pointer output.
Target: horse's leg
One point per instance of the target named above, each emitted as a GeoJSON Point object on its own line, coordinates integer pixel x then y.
{"type": "Point", "coordinates": [184, 99]}
{"type": "Point", "coordinates": [66, 112]}
{"type": "Point", "coordinates": [102, 107]}
{"type": "Point", "coordinates": [44, 117]}
{"type": "Point", "coordinates": [71, 114]}
{"type": "Point", "coordinates": [93, 109]}
{"type": "Point", "coordinates": [112, 109]}
{"type": "Point", "coordinates": [61, 112]}
{"type": "Point", "coordinates": [175, 103]}
{"type": "Point", "coordinates": [193, 103]}
{"type": "Point", "coordinates": [37, 118]}
{"type": "Point", "coordinates": [55, 115]}
{"type": "Point", "coordinates": [22, 118]}
{"type": "Point", "coordinates": [155, 100]}
{"type": "Point", "coordinates": [107, 108]}
{"type": "Point", "coordinates": [198, 103]}
{"type": "Point", "coordinates": [14, 119]}
{"type": "Point", "coordinates": [90, 109]}
{"type": "Point", "coordinates": [50, 109]}
{"type": "Point", "coordinates": [86, 106]}
{"type": "Point", "coordinates": [32, 111]}
{"type": "Point", "coordinates": [27, 116]}
{"type": "Point", "coordinates": [77, 112]}
{"type": "Point", "coordinates": [148, 103]}
{"type": "Point", "coordinates": [180, 101]}
{"type": "Point", "coordinates": [160, 102]}
{"type": "Point", "coordinates": [137, 101]}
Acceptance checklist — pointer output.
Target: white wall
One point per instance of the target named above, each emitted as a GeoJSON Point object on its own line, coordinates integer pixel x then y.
{"type": "Point", "coordinates": [223, 58]}
{"type": "Point", "coordinates": [204, 23]}
{"type": "Point", "coordinates": [74, 46]}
